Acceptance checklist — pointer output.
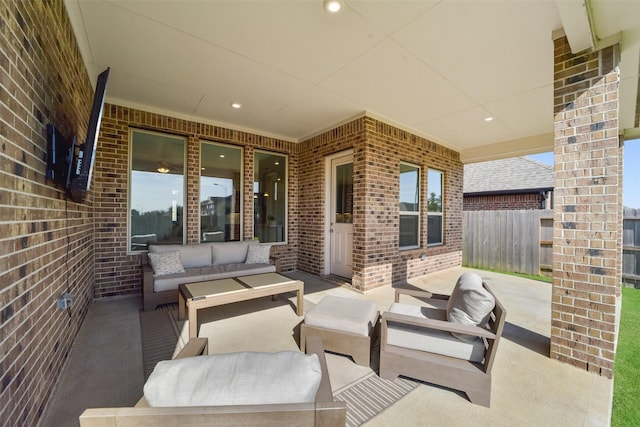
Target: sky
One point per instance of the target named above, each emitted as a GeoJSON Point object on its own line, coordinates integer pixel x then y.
{"type": "Point", "coordinates": [631, 172]}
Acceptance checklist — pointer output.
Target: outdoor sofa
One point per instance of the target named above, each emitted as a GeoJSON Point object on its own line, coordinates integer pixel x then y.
{"type": "Point", "coordinates": [322, 411]}
{"type": "Point", "coordinates": [165, 267]}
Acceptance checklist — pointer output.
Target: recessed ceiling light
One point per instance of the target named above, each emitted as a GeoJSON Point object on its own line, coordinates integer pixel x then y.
{"type": "Point", "coordinates": [333, 6]}
{"type": "Point", "coordinates": [488, 119]}
{"type": "Point", "coordinates": [236, 105]}
{"type": "Point", "coordinates": [222, 156]}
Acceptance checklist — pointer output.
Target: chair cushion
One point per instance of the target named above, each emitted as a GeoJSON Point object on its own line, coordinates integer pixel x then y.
{"type": "Point", "coordinates": [258, 254]}
{"type": "Point", "coordinates": [470, 303]}
{"type": "Point", "coordinates": [230, 252]}
{"type": "Point", "coordinates": [430, 340]}
{"type": "Point", "coordinates": [245, 378]}
{"type": "Point", "coordinates": [166, 263]}
{"type": "Point", "coordinates": [355, 316]}
{"type": "Point", "coordinates": [170, 282]}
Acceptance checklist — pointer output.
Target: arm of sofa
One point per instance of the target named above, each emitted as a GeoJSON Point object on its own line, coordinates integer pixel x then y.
{"type": "Point", "coordinates": [147, 285]}
{"type": "Point", "coordinates": [275, 260]}
{"type": "Point", "coordinates": [195, 347]}
{"type": "Point", "coordinates": [299, 414]}
{"type": "Point", "coordinates": [314, 345]}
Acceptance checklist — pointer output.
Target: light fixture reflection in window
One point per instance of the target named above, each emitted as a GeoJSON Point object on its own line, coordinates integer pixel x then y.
{"type": "Point", "coordinates": [163, 167]}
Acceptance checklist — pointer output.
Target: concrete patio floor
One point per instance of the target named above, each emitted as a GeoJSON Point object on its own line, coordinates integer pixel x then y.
{"type": "Point", "coordinates": [105, 364]}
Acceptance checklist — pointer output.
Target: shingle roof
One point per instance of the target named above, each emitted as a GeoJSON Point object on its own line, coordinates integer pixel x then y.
{"type": "Point", "coordinates": [517, 173]}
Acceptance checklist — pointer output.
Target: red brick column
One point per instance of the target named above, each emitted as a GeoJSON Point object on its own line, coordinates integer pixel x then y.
{"type": "Point", "coordinates": [587, 244]}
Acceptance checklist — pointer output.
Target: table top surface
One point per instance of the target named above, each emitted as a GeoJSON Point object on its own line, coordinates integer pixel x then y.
{"type": "Point", "coordinates": [234, 284]}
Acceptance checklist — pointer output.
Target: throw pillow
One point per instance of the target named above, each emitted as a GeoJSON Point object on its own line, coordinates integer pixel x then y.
{"type": "Point", "coordinates": [258, 254]}
{"type": "Point", "coordinates": [245, 378]}
{"type": "Point", "coordinates": [470, 304]}
{"type": "Point", "coordinates": [166, 263]}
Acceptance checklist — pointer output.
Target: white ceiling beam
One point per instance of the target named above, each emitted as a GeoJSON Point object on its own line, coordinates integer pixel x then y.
{"type": "Point", "coordinates": [503, 150]}
{"type": "Point", "coordinates": [576, 22]}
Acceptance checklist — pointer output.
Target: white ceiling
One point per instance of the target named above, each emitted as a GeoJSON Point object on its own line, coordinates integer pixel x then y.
{"type": "Point", "coordinates": [435, 68]}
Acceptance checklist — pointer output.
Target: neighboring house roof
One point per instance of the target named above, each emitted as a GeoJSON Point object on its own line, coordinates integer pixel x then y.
{"type": "Point", "coordinates": [514, 175]}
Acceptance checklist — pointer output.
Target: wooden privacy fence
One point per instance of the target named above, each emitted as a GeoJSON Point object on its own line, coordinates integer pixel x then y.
{"type": "Point", "coordinates": [522, 242]}
{"type": "Point", "coordinates": [631, 247]}
{"type": "Point", "coordinates": [513, 241]}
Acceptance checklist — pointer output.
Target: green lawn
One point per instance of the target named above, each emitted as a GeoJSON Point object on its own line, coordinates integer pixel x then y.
{"type": "Point", "coordinates": [523, 275]}
{"type": "Point", "coordinates": [626, 371]}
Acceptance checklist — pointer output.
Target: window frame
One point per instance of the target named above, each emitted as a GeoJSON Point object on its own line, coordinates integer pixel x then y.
{"type": "Point", "coordinates": [436, 213]}
{"type": "Point", "coordinates": [132, 131]}
{"type": "Point", "coordinates": [402, 213]}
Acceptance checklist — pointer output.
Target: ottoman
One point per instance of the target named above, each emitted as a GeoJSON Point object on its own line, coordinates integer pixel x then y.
{"type": "Point", "coordinates": [346, 326]}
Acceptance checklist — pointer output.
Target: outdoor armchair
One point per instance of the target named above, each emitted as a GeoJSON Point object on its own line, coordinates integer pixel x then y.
{"type": "Point", "coordinates": [454, 346]}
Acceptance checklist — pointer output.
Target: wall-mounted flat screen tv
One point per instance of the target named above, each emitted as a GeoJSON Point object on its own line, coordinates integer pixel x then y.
{"type": "Point", "coordinates": [83, 166]}
{"type": "Point", "coordinates": [60, 151]}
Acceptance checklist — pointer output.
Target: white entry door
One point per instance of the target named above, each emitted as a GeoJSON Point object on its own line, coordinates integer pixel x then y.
{"type": "Point", "coordinates": [341, 216]}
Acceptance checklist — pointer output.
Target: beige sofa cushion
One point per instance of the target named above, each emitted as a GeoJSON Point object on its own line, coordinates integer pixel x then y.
{"type": "Point", "coordinates": [470, 303]}
{"type": "Point", "coordinates": [231, 252]}
{"type": "Point", "coordinates": [170, 282]}
{"type": "Point", "coordinates": [244, 378]}
{"type": "Point", "coordinates": [429, 340]}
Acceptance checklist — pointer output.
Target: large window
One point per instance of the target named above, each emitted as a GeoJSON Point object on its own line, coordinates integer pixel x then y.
{"type": "Point", "coordinates": [156, 192]}
{"type": "Point", "coordinates": [269, 197]}
{"type": "Point", "coordinates": [220, 192]}
{"type": "Point", "coordinates": [409, 206]}
{"type": "Point", "coordinates": [435, 208]}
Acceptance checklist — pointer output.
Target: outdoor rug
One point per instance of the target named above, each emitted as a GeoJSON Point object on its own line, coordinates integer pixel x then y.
{"type": "Point", "coordinates": [365, 397]}
{"type": "Point", "coordinates": [160, 338]}
{"type": "Point", "coordinates": [372, 395]}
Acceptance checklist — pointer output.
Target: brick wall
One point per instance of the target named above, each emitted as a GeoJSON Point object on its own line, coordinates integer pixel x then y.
{"type": "Point", "coordinates": [587, 244]}
{"type": "Point", "coordinates": [378, 149]}
{"type": "Point", "coordinates": [46, 240]}
{"type": "Point", "coordinates": [503, 202]}
{"type": "Point", "coordinates": [311, 181]}
{"type": "Point", "coordinates": [119, 273]}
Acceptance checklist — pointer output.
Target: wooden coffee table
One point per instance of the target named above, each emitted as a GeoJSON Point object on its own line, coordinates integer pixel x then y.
{"type": "Point", "coordinates": [195, 296]}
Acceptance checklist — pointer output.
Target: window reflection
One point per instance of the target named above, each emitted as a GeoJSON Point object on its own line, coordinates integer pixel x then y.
{"type": "Point", "coordinates": [156, 196]}
{"type": "Point", "coordinates": [220, 192]}
{"type": "Point", "coordinates": [409, 206]}
{"type": "Point", "coordinates": [344, 194]}
{"type": "Point", "coordinates": [270, 197]}
{"type": "Point", "coordinates": [435, 225]}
